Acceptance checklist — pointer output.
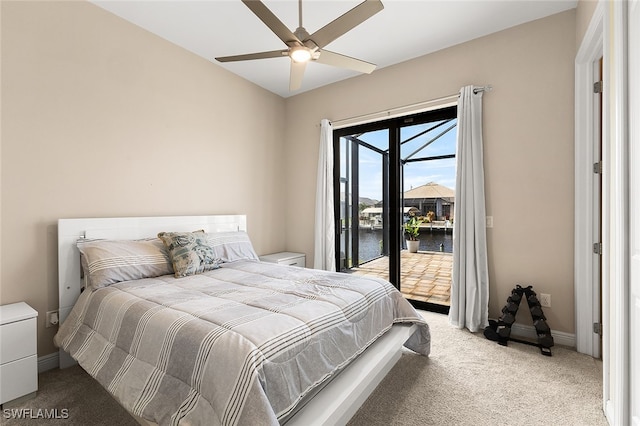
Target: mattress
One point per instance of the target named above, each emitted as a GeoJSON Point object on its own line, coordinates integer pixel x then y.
{"type": "Point", "coordinates": [243, 344]}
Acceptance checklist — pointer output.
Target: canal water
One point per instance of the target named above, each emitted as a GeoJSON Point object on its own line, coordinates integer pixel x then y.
{"type": "Point", "coordinates": [370, 242]}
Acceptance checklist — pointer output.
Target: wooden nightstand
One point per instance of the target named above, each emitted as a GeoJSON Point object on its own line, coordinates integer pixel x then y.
{"type": "Point", "coordinates": [285, 258]}
{"type": "Point", "coordinates": [18, 351]}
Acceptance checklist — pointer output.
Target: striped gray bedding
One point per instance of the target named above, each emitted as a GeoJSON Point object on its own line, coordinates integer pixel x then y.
{"type": "Point", "coordinates": [243, 344]}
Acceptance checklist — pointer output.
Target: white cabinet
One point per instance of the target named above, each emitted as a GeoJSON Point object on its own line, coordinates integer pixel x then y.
{"type": "Point", "coordinates": [285, 258]}
{"type": "Point", "coordinates": [18, 351]}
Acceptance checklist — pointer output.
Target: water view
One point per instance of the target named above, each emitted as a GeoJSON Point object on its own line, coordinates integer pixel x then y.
{"type": "Point", "coordinates": [429, 241]}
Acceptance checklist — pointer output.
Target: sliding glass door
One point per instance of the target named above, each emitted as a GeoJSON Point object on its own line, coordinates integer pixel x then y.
{"type": "Point", "coordinates": [385, 174]}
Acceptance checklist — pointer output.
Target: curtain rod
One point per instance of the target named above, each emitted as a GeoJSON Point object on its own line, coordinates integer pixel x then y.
{"type": "Point", "coordinates": [404, 109]}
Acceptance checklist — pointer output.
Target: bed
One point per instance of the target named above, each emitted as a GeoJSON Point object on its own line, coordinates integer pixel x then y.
{"type": "Point", "coordinates": [237, 341]}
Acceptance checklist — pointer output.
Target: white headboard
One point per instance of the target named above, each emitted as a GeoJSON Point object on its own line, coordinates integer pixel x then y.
{"type": "Point", "coordinates": [122, 228]}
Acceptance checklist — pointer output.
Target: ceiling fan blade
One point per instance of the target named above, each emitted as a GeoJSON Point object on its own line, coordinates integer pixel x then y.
{"type": "Point", "coordinates": [297, 72]}
{"type": "Point", "coordinates": [272, 21]}
{"type": "Point", "coordinates": [251, 56]}
{"type": "Point", "coordinates": [346, 22]}
{"type": "Point", "coordinates": [342, 61]}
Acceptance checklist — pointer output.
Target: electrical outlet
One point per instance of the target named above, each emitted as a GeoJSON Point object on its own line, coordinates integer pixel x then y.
{"type": "Point", "coordinates": [545, 300]}
{"type": "Point", "coordinates": [489, 222]}
{"type": "Point", "coordinates": [52, 319]}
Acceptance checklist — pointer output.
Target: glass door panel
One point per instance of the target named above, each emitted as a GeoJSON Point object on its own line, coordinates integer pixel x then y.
{"type": "Point", "coordinates": [428, 175]}
{"type": "Point", "coordinates": [345, 226]}
{"type": "Point", "coordinates": [364, 210]}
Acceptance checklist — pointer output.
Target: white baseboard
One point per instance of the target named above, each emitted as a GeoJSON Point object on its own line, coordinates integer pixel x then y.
{"type": "Point", "coordinates": [48, 362]}
{"type": "Point", "coordinates": [529, 332]}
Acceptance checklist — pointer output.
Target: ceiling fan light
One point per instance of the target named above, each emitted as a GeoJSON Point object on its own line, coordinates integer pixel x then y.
{"type": "Point", "coordinates": [300, 54]}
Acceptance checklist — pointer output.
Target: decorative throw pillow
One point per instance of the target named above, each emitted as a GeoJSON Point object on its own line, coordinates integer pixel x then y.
{"type": "Point", "coordinates": [190, 253]}
{"type": "Point", "coordinates": [107, 262]}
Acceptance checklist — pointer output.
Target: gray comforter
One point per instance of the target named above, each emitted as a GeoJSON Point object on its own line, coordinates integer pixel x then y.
{"type": "Point", "coordinates": [242, 344]}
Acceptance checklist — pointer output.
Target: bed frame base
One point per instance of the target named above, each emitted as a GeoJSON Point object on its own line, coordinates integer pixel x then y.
{"type": "Point", "coordinates": [344, 395]}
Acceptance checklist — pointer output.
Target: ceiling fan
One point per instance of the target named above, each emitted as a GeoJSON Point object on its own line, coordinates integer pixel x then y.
{"type": "Point", "coordinates": [303, 47]}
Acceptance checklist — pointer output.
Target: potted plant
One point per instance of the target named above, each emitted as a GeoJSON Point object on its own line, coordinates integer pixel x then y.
{"type": "Point", "coordinates": [412, 231]}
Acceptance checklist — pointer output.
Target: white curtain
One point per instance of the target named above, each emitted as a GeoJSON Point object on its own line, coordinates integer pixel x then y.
{"type": "Point", "coordinates": [324, 248]}
{"type": "Point", "coordinates": [470, 284]}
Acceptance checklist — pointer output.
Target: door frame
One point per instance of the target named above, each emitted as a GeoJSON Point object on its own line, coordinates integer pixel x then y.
{"type": "Point", "coordinates": [616, 209]}
{"type": "Point", "coordinates": [634, 208]}
{"type": "Point", "coordinates": [586, 283]}
{"type": "Point", "coordinates": [608, 32]}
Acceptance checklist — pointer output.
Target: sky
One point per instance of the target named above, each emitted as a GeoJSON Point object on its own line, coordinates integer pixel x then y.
{"type": "Point", "coordinates": [415, 174]}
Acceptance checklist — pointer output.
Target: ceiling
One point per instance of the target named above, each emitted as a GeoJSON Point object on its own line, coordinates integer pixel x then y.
{"type": "Point", "coordinates": [405, 29]}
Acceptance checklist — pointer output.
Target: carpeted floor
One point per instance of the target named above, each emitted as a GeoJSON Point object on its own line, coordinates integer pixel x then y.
{"type": "Point", "coordinates": [85, 401]}
{"type": "Point", "coordinates": [467, 380]}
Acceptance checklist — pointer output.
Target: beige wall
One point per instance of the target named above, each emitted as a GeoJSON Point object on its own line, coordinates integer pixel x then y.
{"type": "Point", "coordinates": [528, 141]}
{"type": "Point", "coordinates": [584, 13]}
{"type": "Point", "coordinates": [101, 118]}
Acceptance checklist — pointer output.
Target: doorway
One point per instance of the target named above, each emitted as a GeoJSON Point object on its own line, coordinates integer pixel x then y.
{"type": "Point", "coordinates": [386, 174]}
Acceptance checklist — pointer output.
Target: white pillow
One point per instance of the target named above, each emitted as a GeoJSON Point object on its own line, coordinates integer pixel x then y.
{"type": "Point", "coordinates": [231, 246]}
